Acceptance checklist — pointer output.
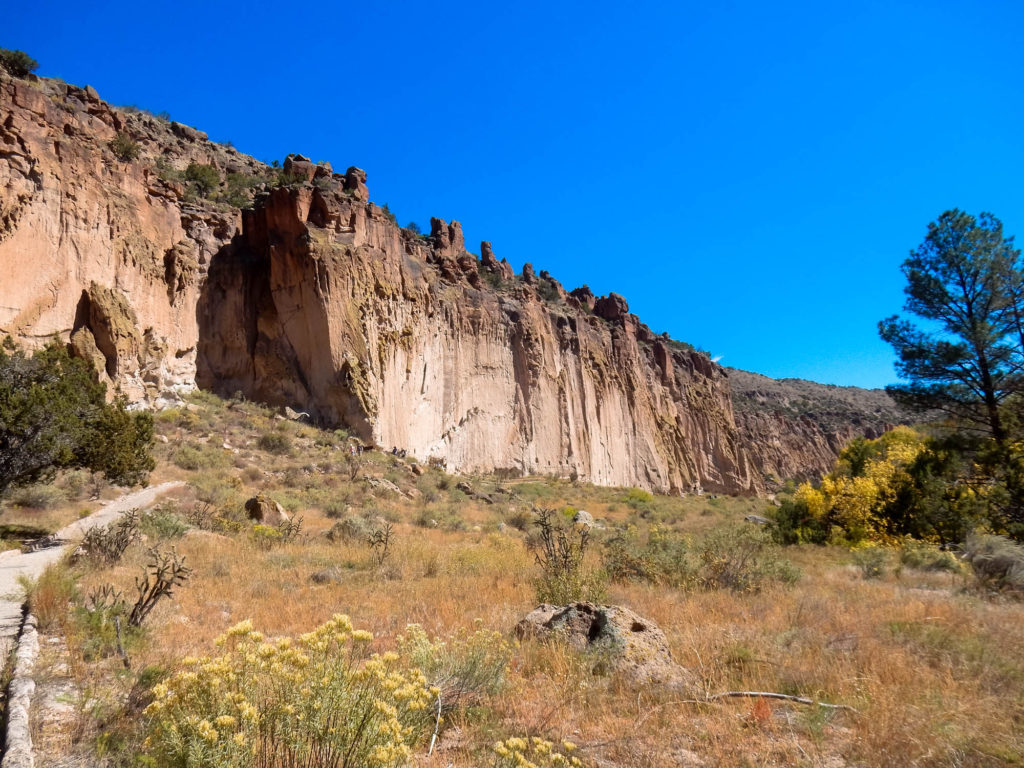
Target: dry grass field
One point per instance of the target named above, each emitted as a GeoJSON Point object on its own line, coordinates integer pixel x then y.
{"type": "Point", "coordinates": [932, 668]}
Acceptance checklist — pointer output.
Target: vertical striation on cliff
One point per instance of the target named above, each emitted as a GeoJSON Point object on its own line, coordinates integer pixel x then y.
{"type": "Point", "coordinates": [311, 296]}
{"type": "Point", "coordinates": [419, 344]}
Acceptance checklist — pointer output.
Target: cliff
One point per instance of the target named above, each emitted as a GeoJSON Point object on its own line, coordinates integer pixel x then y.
{"type": "Point", "coordinates": [295, 289]}
{"type": "Point", "coordinates": [794, 429]}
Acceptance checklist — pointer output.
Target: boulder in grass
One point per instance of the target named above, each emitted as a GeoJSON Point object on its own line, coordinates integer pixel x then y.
{"type": "Point", "coordinates": [264, 510]}
{"type": "Point", "coordinates": [622, 641]}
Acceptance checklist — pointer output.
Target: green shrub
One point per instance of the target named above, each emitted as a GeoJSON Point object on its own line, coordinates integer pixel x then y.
{"type": "Point", "coordinates": [275, 442]}
{"type": "Point", "coordinates": [928, 557]}
{"type": "Point", "coordinates": [638, 499]}
{"type": "Point", "coordinates": [54, 415]}
{"type": "Point", "coordinates": [520, 518]}
{"type": "Point", "coordinates": [872, 560]}
{"type": "Point", "coordinates": [199, 457]}
{"type": "Point", "coordinates": [39, 496]}
{"type": "Point", "coordinates": [17, 63]}
{"type": "Point", "coordinates": [663, 559]}
{"type": "Point", "coordinates": [794, 523]}
{"type": "Point", "coordinates": [237, 192]}
{"type": "Point", "coordinates": [266, 536]}
{"type": "Point", "coordinates": [204, 178]}
{"type": "Point", "coordinates": [741, 558]}
{"type": "Point", "coordinates": [464, 669]}
{"type": "Point", "coordinates": [350, 528]}
{"type": "Point", "coordinates": [560, 550]}
{"type": "Point", "coordinates": [997, 562]}
{"type": "Point", "coordinates": [124, 148]}
{"type": "Point", "coordinates": [318, 700]}
{"type": "Point", "coordinates": [163, 522]}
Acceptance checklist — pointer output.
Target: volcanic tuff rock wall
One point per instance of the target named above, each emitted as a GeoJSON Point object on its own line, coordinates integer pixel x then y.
{"type": "Point", "coordinates": [314, 298]}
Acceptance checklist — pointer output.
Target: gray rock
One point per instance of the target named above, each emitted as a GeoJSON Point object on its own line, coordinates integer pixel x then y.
{"type": "Point", "coordinates": [621, 641]}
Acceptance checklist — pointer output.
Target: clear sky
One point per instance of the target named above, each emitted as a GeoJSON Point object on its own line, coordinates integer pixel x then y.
{"type": "Point", "coordinates": [749, 175]}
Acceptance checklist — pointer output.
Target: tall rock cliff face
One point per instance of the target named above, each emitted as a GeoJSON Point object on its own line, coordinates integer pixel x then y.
{"type": "Point", "coordinates": [325, 302]}
{"type": "Point", "coordinates": [97, 249]}
{"type": "Point", "coordinates": [311, 296]}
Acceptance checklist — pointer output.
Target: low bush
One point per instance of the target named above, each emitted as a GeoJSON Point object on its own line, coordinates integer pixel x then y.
{"type": "Point", "coordinates": [520, 518]}
{"type": "Point", "coordinates": [124, 148]}
{"type": "Point", "coordinates": [741, 558]}
{"type": "Point", "coordinates": [560, 549]}
{"type": "Point", "coordinates": [638, 499]}
{"type": "Point", "coordinates": [872, 560]}
{"type": "Point", "coordinates": [464, 669]}
{"type": "Point", "coordinates": [275, 442]}
{"type": "Point", "coordinates": [928, 557]}
{"type": "Point", "coordinates": [534, 751]}
{"type": "Point", "coordinates": [163, 522]}
{"type": "Point", "coordinates": [997, 562]}
{"type": "Point", "coordinates": [350, 528]}
{"type": "Point", "coordinates": [319, 700]}
{"type": "Point", "coordinates": [664, 558]}
{"type": "Point", "coordinates": [39, 496]}
{"type": "Point", "coordinates": [199, 457]}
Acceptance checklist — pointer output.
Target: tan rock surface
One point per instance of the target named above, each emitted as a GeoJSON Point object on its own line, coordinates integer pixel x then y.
{"type": "Point", "coordinates": [314, 299]}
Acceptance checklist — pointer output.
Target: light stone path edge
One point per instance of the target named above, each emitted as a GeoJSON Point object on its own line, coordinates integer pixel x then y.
{"type": "Point", "coordinates": [14, 565]}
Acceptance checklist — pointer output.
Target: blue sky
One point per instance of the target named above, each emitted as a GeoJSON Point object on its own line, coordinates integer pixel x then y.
{"type": "Point", "coordinates": [748, 175]}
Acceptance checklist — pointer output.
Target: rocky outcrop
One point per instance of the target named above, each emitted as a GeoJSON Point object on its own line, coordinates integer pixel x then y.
{"type": "Point", "coordinates": [264, 510]}
{"type": "Point", "coordinates": [795, 429]}
{"type": "Point", "coordinates": [311, 297]}
{"type": "Point", "coordinates": [102, 250]}
{"type": "Point", "coordinates": [620, 640]}
{"type": "Point", "coordinates": [324, 302]}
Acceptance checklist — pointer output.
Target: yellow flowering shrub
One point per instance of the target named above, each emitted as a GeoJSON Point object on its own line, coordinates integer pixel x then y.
{"type": "Point", "coordinates": [534, 752]}
{"type": "Point", "coordinates": [855, 501]}
{"type": "Point", "coordinates": [318, 700]}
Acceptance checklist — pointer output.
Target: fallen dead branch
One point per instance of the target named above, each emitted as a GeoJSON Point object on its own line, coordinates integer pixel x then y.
{"type": "Point", "coordinates": [769, 695]}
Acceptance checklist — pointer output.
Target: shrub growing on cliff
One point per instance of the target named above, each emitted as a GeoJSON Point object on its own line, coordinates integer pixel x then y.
{"type": "Point", "coordinates": [53, 415]}
{"type": "Point", "coordinates": [17, 63]}
{"type": "Point", "coordinates": [124, 148]}
{"type": "Point", "coordinates": [203, 178]}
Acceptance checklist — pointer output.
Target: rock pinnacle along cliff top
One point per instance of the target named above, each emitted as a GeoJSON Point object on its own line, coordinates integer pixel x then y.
{"type": "Point", "coordinates": [173, 262]}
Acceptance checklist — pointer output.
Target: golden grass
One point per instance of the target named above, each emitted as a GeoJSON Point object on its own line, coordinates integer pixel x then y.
{"type": "Point", "coordinates": [935, 672]}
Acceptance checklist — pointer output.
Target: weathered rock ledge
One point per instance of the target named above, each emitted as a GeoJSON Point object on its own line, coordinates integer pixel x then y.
{"type": "Point", "coordinates": [312, 297]}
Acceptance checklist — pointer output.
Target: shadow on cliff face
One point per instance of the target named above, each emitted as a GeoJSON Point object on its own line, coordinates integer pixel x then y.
{"type": "Point", "coordinates": [227, 320]}
{"type": "Point", "coordinates": [244, 345]}
{"type": "Point", "coordinates": [241, 348]}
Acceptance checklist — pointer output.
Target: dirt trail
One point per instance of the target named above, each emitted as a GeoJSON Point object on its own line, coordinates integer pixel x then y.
{"type": "Point", "coordinates": [14, 563]}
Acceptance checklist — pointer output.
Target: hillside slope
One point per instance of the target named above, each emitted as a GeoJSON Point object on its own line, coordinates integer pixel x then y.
{"type": "Point", "coordinates": [795, 428]}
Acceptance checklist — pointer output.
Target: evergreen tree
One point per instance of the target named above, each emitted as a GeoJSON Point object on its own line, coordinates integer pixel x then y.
{"type": "Point", "coordinates": [53, 414]}
{"type": "Point", "coordinates": [964, 281]}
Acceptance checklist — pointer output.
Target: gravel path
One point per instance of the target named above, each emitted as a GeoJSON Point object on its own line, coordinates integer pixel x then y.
{"type": "Point", "coordinates": [14, 563]}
